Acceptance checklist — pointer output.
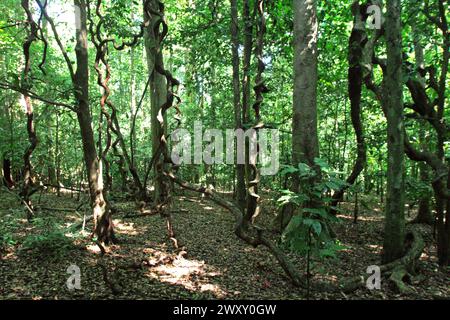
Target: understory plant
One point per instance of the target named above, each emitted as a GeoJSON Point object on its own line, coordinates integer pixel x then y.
{"type": "Point", "coordinates": [309, 233]}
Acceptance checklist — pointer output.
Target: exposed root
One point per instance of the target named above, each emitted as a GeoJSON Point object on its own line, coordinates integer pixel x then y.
{"type": "Point", "coordinates": [110, 280]}
{"type": "Point", "coordinates": [398, 278]}
{"type": "Point", "coordinates": [398, 271]}
{"type": "Point", "coordinates": [251, 234]}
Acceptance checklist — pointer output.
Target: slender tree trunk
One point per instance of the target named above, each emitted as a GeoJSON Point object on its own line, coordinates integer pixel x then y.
{"type": "Point", "coordinates": [158, 93]}
{"type": "Point", "coordinates": [7, 175]}
{"type": "Point", "coordinates": [240, 191]}
{"type": "Point", "coordinates": [58, 156]}
{"type": "Point", "coordinates": [259, 88]}
{"type": "Point", "coordinates": [248, 46]}
{"type": "Point", "coordinates": [102, 214]}
{"type": "Point", "coordinates": [32, 137]}
{"type": "Point", "coordinates": [132, 105]}
{"type": "Point", "coordinates": [394, 232]}
{"type": "Point", "coordinates": [444, 235]}
{"type": "Point", "coordinates": [424, 212]}
{"type": "Point", "coordinates": [357, 40]}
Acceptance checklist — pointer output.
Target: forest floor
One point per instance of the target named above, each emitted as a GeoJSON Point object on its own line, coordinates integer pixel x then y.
{"type": "Point", "coordinates": [34, 258]}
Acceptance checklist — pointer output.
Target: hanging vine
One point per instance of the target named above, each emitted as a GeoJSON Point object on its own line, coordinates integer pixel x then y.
{"type": "Point", "coordinates": [161, 158]}
{"type": "Point", "coordinates": [33, 35]}
{"type": "Point", "coordinates": [356, 73]}
{"type": "Point", "coordinates": [101, 44]}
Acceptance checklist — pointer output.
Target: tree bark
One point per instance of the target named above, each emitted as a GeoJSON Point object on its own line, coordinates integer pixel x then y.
{"type": "Point", "coordinates": [240, 191]}
{"type": "Point", "coordinates": [7, 175]}
{"type": "Point", "coordinates": [357, 41]}
{"type": "Point", "coordinates": [305, 141]}
{"type": "Point", "coordinates": [32, 137]}
{"type": "Point", "coordinates": [158, 92]}
{"type": "Point", "coordinates": [103, 226]}
{"type": "Point", "coordinates": [394, 230]}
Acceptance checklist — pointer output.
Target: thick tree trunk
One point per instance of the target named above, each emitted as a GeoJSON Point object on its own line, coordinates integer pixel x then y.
{"type": "Point", "coordinates": [101, 212]}
{"type": "Point", "coordinates": [394, 231]}
{"type": "Point", "coordinates": [305, 142]}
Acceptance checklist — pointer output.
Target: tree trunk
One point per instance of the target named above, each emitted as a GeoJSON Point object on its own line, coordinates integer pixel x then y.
{"type": "Point", "coordinates": [58, 157]}
{"type": "Point", "coordinates": [357, 40]}
{"type": "Point", "coordinates": [7, 176]}
{"type": "Point", "coordinates": [394, 230]}
{"type": "Point", "coordinates": [32, 137]}
{"type": "Point", "coordinates": [240, 191]}
{"type": "Point", "coordinates": [305, 142]}
{"type": "Point", "coordinates": [424, 212]}
{"type": "Point", "coordinates": [103, 226]}
{"type": "Point", "coordinates": [158, 93]}
{"type": "Point", "coordinates": [444, 234]}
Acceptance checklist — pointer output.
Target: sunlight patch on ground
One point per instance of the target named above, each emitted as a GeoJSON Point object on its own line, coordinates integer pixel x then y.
{"type": "Point", "coordinates": [191, 274]}
{"type": "Point", "coordinates": [347, 248]}
{"type": "Point", "coordinates": [370, 218]}
{"type": "Point", "coordinates": [360, 218]}
{"type": "Point", "coordinates": [327, 277]}
{"type": "Point", "coordinates": [125, 227]}
{"type": "Point", "coordinates": [424, 256]}
{"type": "Point", "coordinates": [9, 256]}
{"type": "Point", "coordinates": [93, 248]}
{"type": "Point", "coordinates": [375, 248]}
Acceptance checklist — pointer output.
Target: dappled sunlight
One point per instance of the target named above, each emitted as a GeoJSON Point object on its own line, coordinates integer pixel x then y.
{"type": "Point", "coordinates": [364, 218]}
{"type": "Point", "coordinates": [376, 248]}
{"type": "Point", "coordinates": [93, 248]}
{"type": "Point", "coordinates": [127, 228]}
{"type": "Point", "coordinates": [424, 256]}
{"type": "Point", "coordinates": [177, 270]}
{"type": "Point", "coordinates": [370, 218]}
{"type": "Point", "coordinates": [9, 256]}
{"type": "Point", "coordinates": [327, 277]}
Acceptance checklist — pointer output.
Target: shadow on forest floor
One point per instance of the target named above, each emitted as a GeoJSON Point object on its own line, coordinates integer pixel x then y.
{"type": "Point", "coordinates": [217, 265]}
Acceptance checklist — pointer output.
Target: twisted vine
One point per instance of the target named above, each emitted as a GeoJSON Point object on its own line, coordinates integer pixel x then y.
{"type": "Point", "coordinates": [260, 88]}
{"type": "Point", "coordinates": [160, 30]}
{"type": "Point", "coordinates": [101, 45]}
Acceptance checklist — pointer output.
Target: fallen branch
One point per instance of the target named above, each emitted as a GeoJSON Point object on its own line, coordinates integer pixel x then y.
{"type": "Point", "coordinates": [64, 188]}
{"type": "Point", "coordinates": [20, 199]}
{"type": "Point", "coordinates": [58, 209]}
